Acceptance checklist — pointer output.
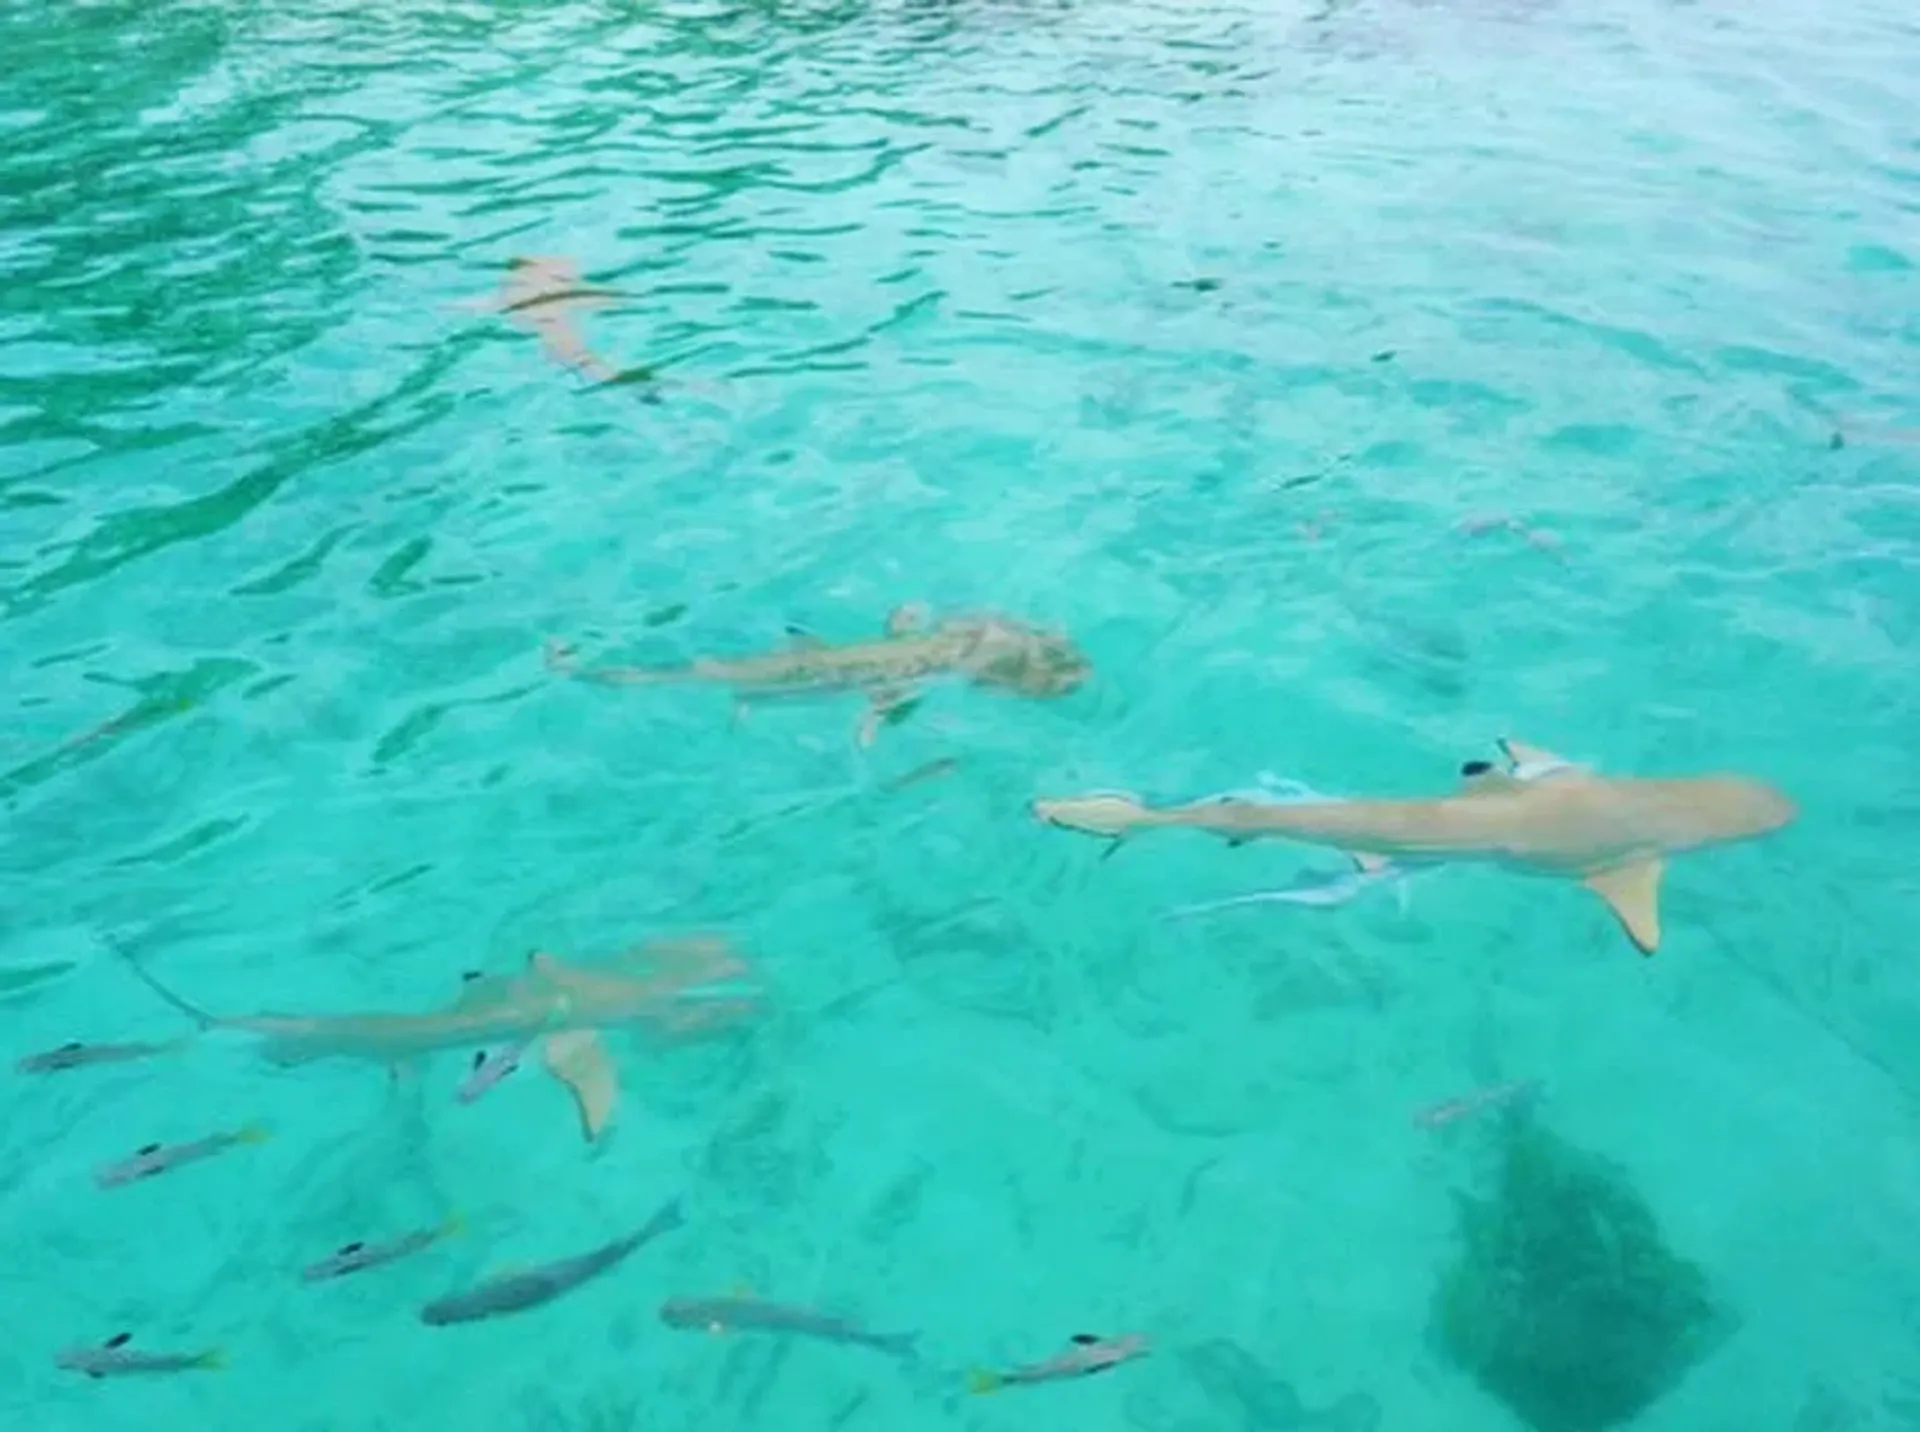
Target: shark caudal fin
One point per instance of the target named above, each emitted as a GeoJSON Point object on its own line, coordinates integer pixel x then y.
{"type": "Point", "coordinates": [192, 1011]}
{"type": "Point", "coordinates": [1632, 892]}
{"type": "Point", "coordinates": [1112, 814]}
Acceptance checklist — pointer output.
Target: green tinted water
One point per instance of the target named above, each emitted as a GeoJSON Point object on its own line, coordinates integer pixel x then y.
{"type": "Point", "coordinates": [1356, 383]}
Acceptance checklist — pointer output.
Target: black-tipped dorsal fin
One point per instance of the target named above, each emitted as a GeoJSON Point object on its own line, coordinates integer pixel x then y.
{"type": "Point", "coordinates": [1533, 760]}
{"type": "Point", "coordinates": [1632, 892]}
{"type": "Point", "coordinates": [802, 639]}
{"type": "Point", "coordinates": [351, 1247]}
{"type": "Point", "coordinates": [146, 1149]}
{"type": "Point", "coordinates": [1480, 778]}
{"type": "Point", "coordinates": [118, 1340]}
{"type": "Point", "coordinates": [1084, 1339]}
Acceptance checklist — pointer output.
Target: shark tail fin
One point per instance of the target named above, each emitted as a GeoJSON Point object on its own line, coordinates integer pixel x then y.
{"type": "Point", "coordinates": [1112, 814]}
{"type": "Point", "coordinates": [191, 1010]}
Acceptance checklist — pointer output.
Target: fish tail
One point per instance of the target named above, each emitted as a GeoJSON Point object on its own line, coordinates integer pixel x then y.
{"type": "Point", "coordinates": [213, 1359]}
{"type": "Point", "coordinates": [453, 1225]}
{"type": "Point", "coordinates": [255, 1133]}
{"type": "Point", "coordinates": [981, 1381]}
{"type": "Point", "coordinates": [192, 1011]}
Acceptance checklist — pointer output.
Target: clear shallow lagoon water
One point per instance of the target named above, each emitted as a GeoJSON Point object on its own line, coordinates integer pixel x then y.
{"type": "Point", "coordinates": [1215, 334]}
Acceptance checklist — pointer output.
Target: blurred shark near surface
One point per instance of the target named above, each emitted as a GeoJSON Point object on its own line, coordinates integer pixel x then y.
{"type": "Point", "coordinates": [679, 987]}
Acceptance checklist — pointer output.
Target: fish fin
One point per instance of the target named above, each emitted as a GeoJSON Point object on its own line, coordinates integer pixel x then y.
{"type": "Point", "coordinates": [479, 1058]}
{"type": "Point", "coordinates": [902, 1345]}
{"type": "Point", "coordinates": [69, 1046]}
{"type": "Point", "coordinates": [1113, 814]}
{"type": "Point", "coordinates": [982, 1381]}
{"type": "Point", "coordinates": [253, 1134]}
{"type": "Point", "coordinates": [886, 705]}
{"type": "Point", "coordinates": [453, 1225]}
{"type": "Point", "coordinates": [908, 616]}
{"type": "Point", "coordinates": [469, 976]}
{"type": "Point", "coordinates": [1632, 892]}
{"type": "Point", "coordinates": [118, 1340]}
{"type": "Point", "coordinates": [1532, 762]}
{"type": "Point", "coordinates": [1370, 864]}
{"type": "Point", "coordinates": [481, 989]}
{"type": "Point", "coordinates": [547, 966]}
{"type": "Point", "coordinates": [1084, 1339]}
{"type": "Point", "coordinates": [350, 1247]}
{"type": "Point", "coordinates": [213, 1359]}
{"type": "Point", "coordinates": [578, 1059]}
{"type": "Point", "coordinates": [801, 639]}
{"type": "Point", "coordinates": [96, 1376]}
{"type": "Point", "coordinates": [1481, 778]}
{"type": "Point", "coordinates": [146, 1149]}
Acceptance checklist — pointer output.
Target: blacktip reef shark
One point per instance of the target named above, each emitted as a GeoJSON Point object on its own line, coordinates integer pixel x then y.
{"type": "Point", "coordinates": [991, 651]}
{"type": "Point", "coordinates": [668, 985]}
{"type": "Point", "coordinates": [1544, 816]}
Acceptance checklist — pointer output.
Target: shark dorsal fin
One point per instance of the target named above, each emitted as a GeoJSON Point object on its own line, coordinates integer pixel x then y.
{"type": "Point", "coordinates": [483, 990]}
{"type": "Point", "coordinates": [578, 1059]}
{"type": "Point", "coordinates": [1632, 892]}
{"type": "Point", "coordinates": [1481, 778]}
{"type": "Point", "coordinates": [800, 639]}
{"type": "Point", "coordinates": [1530, 763]}
{"type": "Point", "coordinates": [548, 967]}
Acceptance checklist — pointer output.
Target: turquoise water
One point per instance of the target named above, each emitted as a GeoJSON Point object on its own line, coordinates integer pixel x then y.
{"type": "Point", "coordinates": [1356, 383]}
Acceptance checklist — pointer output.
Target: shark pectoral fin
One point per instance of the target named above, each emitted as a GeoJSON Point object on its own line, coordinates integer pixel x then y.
{"type": "Point", "coordinates": [579, 1060]}
{"type": "Point", "coordinates": [1632, 892]}
{"type": "Point", "coordinates": [1370, 864]}
{"type": "Point", "coordinates": [885, 705]}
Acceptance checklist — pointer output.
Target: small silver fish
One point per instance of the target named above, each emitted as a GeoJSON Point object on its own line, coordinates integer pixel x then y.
{"type": "Point", "coordinates": [1494, 1096]}
{"type": "Point", "coordinates": [75, 1055]}
{"type": "Point", "coordinates": [516, 1292]}
{"type": "Point", "coordinates": [113, 1358]}
{"type": "Point", "coordinates": [746, 1314]}
{"type": "Point", "coordinates": [358, 1257]}
{"type": "Point", "coordinates": [1087, 1355]}
{"type": "Point", "coordinates": [490, 1069]}
{"type": "Point", "coordinates": [158, 1158]}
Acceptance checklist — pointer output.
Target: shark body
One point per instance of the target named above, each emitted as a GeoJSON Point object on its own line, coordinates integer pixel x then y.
{"type": "Point", "coordinates": [888, 670]}
{"type": "Point", "coordinates": [558, 1007]}
{"type": "Point", "coordinates": [1544, 816]}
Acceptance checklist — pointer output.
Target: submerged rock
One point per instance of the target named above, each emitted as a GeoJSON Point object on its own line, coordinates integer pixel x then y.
{"type": "Point", "coordinates": [1565, 1303]}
